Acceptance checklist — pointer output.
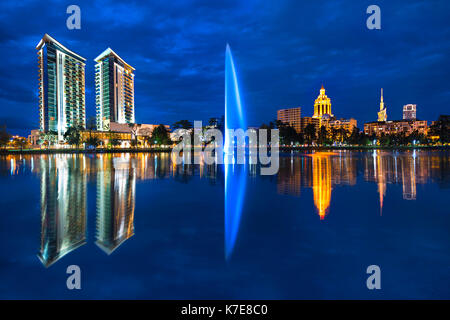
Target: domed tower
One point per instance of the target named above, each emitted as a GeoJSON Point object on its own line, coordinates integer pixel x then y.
{"type": "Point", "coordinates": [322, 105]}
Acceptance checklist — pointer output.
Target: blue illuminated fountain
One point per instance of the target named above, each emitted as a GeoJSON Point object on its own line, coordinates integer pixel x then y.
{"type": "Point", "coordinates": [235, 174]}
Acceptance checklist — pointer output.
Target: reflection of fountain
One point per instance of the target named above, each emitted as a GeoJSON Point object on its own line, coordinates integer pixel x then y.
{"type": "Point", "coordinates": [116, 184]}
{"type": "Point", "coordinates": [235, 174]}
{"type": "Point", "coordinates": [321, 182]}
{"type": "Point", "coordinates": [63, 206]}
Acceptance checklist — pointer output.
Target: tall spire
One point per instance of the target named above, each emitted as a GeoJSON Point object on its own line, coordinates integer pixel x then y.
{"type": "Point", "coordinates": [382, 116]}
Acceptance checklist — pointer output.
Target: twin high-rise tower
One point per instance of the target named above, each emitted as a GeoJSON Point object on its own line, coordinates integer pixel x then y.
{"type": "Point", "coordinates": [114, 90]}
{"type": "Point", "coordinates": [62, 88]}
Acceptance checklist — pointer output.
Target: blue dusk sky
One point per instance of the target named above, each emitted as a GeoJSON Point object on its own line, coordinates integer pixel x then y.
{"type": "Point", "coordinates": [284, 51]}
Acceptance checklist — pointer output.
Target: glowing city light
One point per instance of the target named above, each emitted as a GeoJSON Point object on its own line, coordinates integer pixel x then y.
{"type": "Point", "coordinates": [235, 174]}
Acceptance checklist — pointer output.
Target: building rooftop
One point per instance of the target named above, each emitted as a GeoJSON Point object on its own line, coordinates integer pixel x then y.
{"type": "Point", "coordinates": [395, 121]}
{"type": "Point", "coordinates": [47, 38]}
{"type": "Point", "coordinates": [109, 52]}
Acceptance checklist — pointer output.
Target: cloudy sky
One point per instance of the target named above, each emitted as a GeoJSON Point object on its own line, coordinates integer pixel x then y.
{"type": "Point", "coordinates": [284, 51]}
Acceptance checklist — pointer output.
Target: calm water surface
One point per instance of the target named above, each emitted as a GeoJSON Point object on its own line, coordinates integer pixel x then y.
{"type": "Point", "coordinates": [140, 226]}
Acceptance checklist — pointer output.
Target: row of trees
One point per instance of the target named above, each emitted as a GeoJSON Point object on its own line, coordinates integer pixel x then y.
{"type": "Point", "coordinates": [7, 140]}
{"type": "Point", "coordinates": [73, 137]}
{"type": "Point", "coordinates": [441, 129]}
{"type": "Point", "coordinates": [438, 132]}
{"type": "Point", "coordinates": [332, 136]}
{"type": "Point", "coordinates": [5, 137]}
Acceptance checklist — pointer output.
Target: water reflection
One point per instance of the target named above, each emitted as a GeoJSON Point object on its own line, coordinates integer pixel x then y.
{"type": "Point", "coordinates": [322, 171]}
{"type": "Point", "coordinates": [235, 184]}
{"type": "Point", "coordinates": [116, 188]}
{"type": "Point", "coordinates": [63, 206]}
{"type": "Point", "coordinates": [321, 182]}
{"type": "Point", "coordinates": [64, 179]}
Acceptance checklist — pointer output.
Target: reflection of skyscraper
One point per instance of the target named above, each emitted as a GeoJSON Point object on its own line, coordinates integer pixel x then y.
{"type": "Point", "coordinates": [63, 206]}
{"type": "Point", "coordinates": [321, 183]}
{"type": "Point", "coordinates": [116, 185]}
{"type": "Point", "coordinates": [289, 178]}
{"type": "Point", "coordinates": [114, 90]}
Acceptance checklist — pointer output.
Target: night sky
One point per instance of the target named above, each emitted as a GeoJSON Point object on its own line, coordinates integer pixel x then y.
{"type": "Point", "coordinates": [284, 51]}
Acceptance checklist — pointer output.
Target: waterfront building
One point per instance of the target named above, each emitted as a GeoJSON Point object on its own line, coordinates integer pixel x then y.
{"type": "Point", "coordinates": [291, 116]}
{"type": "Point", "coordinates": [322, 105]}
{"type": "Point", "coordinates": [61, 87]}
{"type": "Point", "coordinates": [310, 120]}
{"type": "Point", "coordinates": [409, 112]}
{"type": "Point", "coordinates": [114, 90]}
{"type": "Point", "coordinates": [123, 133]}
{"type": "Point", "coordinates": [397, 126]}
{"type": "Point", "coordinates": [34, 137]}
{"type": "Point", "coordinates": [347, 124]}
{"type": "Point", "coordinates": [382, 114]}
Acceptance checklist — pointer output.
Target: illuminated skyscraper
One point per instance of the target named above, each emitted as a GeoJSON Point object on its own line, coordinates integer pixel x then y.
{"type": "Point", "coordinates": [114, 90]}
{"type": "Point", "coordinates": [116, 187]}
{"type": "Point", "coordinates": [322, 105]}
{"type": "Point", "coordinates": [63, 206]}
{"type": "Point", "coordinates": [382, 115]}
{"type": "Point", "coordinates": [61, 87]}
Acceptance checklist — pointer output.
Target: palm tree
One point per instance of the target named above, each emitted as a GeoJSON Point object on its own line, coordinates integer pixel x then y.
{"type": "Point", "coordinates": [310, 133]}
{"type": "Point", "coordinates": [182, 124]}
{"type": "Point", "coordinates": [73, 136]}
{"type": "Point", "coordinates": [20, 142]}
{"type": "Point", "coordinates": [48, 138]}
{"type": "Point", "coordinates": [4, 137]}
{"type": "Point", "coordinates": [134, 130]}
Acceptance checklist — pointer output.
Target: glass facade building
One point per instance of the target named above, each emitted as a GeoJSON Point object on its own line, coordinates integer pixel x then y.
{"type": "Point", "coordinates": [61, 87]}
{"type": "Point", "coordinates": [114, 90]}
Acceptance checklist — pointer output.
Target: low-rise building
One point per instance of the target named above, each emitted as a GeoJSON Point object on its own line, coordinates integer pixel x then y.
{"type": "Point", "coordinates": [140, 129]}
{"type": "Point", "coordinates": [347, 124]}
{"type": "Point", "coordinates": [310, 120]}
{"type": "Point", "coordinates": [122, 133]}
{"type": "Point", "coordinates": [395, 126]}
{"type": "Point", "coordinates": [33, 137]}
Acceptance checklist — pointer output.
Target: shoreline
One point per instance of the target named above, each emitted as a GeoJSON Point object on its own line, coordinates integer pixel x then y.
{"type": "Point", "coordinates": [152, 150]}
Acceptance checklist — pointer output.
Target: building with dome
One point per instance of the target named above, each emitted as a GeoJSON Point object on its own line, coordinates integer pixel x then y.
{"type": "Point", "coordinates": [322, 105]}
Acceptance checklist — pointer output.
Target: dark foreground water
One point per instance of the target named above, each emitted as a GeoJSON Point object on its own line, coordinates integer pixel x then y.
{"type": "Point", "coordinates": [139, 226]}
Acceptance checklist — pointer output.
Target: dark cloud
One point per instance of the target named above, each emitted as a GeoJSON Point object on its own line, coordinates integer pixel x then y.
{"type": "Point", "coordinates": [284, 51]}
